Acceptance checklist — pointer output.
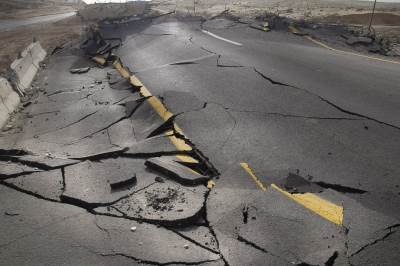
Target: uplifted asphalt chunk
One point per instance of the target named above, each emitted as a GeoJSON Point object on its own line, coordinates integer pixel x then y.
{"type": "Point", "coordinates": [176, 171]}
{"type": "Point", "coordinates": [79, 70]}
{"type": "Point", "coordinates": [47, 184]}
{"type": "Point", "coordinates": [88, 183]}
{"type": "Point", "coordinates": [155, 146]}
{"type": "Point", "coordinates": [146, 120]}
{"type": "Point", "coordinates": [164, 203]}
{"type": "Point", "coordinates": [294, 183]}
{"type": "Point", "coordinates": [12, 169]}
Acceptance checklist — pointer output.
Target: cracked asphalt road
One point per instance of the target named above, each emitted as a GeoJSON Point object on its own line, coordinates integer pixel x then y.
{"type": "Point", "coordinates": [301, 143]}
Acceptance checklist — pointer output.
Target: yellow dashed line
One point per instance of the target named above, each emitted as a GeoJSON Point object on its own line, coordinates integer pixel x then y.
{"type": "Point", "coordinates": [318, 205]}
{"type": "Point", "coordinates": [161, 110]}
{"type": "Point", "coordinates": [210, 184]}
{"type": "Point", "coordinates": [296, 31]}
{"type": "Point", "coordinates": [247, 168]}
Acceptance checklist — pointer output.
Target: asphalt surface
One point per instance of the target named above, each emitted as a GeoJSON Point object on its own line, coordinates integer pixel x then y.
{"type": "Point", "coordinates": [302, 144]}
{"type": "Point", "coordinates": [11, 24]}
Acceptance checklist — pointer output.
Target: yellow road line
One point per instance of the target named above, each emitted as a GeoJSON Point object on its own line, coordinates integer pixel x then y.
{"type": "Point", "coordinates": [247, 168]}
{"type": "Point", "coordinates": [161, 110]}
{"type": "Point", "coordinates": [125, 73]}
{"type": "Point", "coordinates": [296, 31]}
{"type": "Point", "coordinates": [99, 60]}
{"type": "Point", "coordinates": [318, 205]}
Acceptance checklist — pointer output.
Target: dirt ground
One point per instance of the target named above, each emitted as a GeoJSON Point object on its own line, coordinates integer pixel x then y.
{"type": "Point", "coordinates": [28, 13]}
{"type": "Point", "coordinates": [19, 9]}
{"type": "Point", "coordinates": [50, 36]}
{"type": "Point", "coordinates": [297, 9]}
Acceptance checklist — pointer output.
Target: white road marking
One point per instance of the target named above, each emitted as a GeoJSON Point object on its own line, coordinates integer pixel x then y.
{"type": "Point", "coordinates": [221, 38]}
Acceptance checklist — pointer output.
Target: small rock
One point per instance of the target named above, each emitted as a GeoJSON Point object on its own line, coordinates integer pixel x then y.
{"type": "Point", "coordinates": [133, 228]}
{"type": "Point", "coordinates": [186, 246]}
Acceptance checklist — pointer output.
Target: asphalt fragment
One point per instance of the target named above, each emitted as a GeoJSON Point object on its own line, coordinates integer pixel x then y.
{"type": "Point", "coordinates": [176, 171]}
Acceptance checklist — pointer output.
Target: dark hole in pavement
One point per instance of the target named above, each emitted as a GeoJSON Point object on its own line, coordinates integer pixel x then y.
{"type": "Point", "coordinates": [245, 213]}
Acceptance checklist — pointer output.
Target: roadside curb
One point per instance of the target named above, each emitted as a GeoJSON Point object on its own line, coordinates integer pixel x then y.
{"type": "Point", "coordinates": [9, 100]}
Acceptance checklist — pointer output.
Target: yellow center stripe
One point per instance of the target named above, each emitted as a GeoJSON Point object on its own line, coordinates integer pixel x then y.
{"type": "Point", "coordinates": [247, 168]}
{"type": "Point", "coordinates": [100, 60]}
{"type": "Point", "coordinates": [318, 205]}
{"type": "Point", "coordinates": [161, 110]}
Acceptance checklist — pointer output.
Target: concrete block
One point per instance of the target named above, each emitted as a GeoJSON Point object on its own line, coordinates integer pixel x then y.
{"type": "Point", "coordinates": [27, 66]}
{"type": "Point", "coordinates": [9, 101]}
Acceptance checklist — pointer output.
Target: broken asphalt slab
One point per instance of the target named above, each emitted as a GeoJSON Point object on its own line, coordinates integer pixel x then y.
{"type": "Point", "coordinates": [178, 172]}
{"type": "Point", "coordinates": [97, 240]}
{"type": "Point", "coordinates": [271, 223]}
{"type": "Point", "coordinates": [90, 184]}
{"type": "Point", "coordinates": [47, 185]}
{"type": "Point", "coordinates": [164, 203]}
{"type": "Point", "coordinates": [10, 169]}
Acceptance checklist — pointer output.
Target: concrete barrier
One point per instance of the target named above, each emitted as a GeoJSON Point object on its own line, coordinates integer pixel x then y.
{"type": "Point", "coordinates": [27, 65]}
{"type": "Point", "coordinates": [9, 101]}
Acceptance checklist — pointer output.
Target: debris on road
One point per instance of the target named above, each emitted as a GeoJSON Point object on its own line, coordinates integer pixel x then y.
{"type": "Point", "coordinates": [79, 70]}
{"type": "Point", "coordinates": [180, 173]}
{"type": "Point", "coordinates": [359, 40]}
